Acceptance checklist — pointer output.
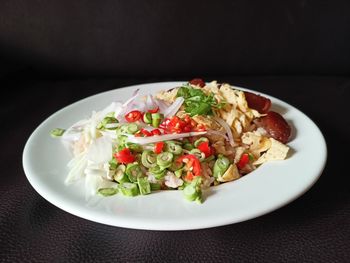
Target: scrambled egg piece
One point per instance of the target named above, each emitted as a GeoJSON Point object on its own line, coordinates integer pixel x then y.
{"type": "Point", "coordinates": [230, 175]}
{"type": "Point", "coordinates": [207, 121]}
{"type": "Point", "coordinates": [277, 151]}
{"type": "Point", "coordinates": [257, 143]}
{"type": "Point", "coordinates": [167, 95]}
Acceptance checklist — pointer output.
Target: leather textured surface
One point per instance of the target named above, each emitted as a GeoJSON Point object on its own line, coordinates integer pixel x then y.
{"type": "Point", "coordinates": [314, 228]}
{"type": "Point", "coordinates": [118, 37]}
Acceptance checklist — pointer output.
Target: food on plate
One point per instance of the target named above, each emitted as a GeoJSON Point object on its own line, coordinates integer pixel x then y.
{"type": "Point", "coordinates": [187, 138]}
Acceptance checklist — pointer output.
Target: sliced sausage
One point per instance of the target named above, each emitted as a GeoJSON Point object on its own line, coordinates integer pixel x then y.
{"type": "Point", "coordinates": [276, 126]}
{"type": "Point", "coordinates": [258, 102]}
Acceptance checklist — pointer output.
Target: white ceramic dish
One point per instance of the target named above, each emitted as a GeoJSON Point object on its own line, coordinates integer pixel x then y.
{"type": "Point", "coordinates": [268, 188]}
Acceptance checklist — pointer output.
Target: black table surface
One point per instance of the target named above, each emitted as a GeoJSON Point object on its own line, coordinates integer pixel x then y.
{"type": "Point", "coordinates": [313, 228]}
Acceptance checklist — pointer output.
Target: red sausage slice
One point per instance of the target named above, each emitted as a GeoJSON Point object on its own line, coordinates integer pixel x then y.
{"type": "Point", "coordinates": [197, 82]}
{"type": "Point", "coordinates": [276, 126]}
{"type": "Point", "coordinates": [257, 102]}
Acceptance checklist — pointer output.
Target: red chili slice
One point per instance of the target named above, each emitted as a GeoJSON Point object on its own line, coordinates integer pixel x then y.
{"type": "Point", "coordinates": [158, 147]}
{"type": "Point", "coordinates": [243, 161]}
{"type": "Point", "coordinates": [124, 156]}
{"type": "Point", "coordinates": [155, 110]}
{"type": "Point", "coordinates": [193, 162]}
{"type": "Point", "coordinates": [258, 102]}
{"type": "Point", "coordinates": [156, 132]}
{"type": "Point", "coordinates": [205, 148]}
{"type": "Point", "coordinates": [146, 133]}
{"type": "Point", "coordinates": [133, 116]}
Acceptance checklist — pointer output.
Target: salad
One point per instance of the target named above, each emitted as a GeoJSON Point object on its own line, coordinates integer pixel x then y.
{"type": "Point", "coordinates": [187, 138]}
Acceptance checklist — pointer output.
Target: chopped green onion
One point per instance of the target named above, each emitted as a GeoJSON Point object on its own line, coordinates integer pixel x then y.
{"type": "Point", "coordinates": [188, 146]}
{"type": "Point", "coordinates": [104, 124]}
{"type": "Point", "coordinates": [133, 171]}
{"type": "Point", "coordinates": [198, 154]}
{"type": "Point", "coordinates": [173, 148]}
{"type": "Point", "coordinates": [147, 118]}
{"type": "Point", "coordinates": [165, 159]}
{"type": "Point", "coordinates": [155, 186]}
{"type": "Point", "coordinates": [120, 175]}
{"type": "Point", "coordinates": [176, 166]}
{"type": "Point", "coordinates": [113, 164]}
{"type": "Point", "coordinates": [192, 191]}
{"type": "Point", "coordinates": [121, 139]}
{"type": "Point", "coordinates": [148, 159]}
{"type": "Point", "coordinates": [108, 191]}
{"type": "Point", "coordinates": [178, 173]}
{"type": "Point", "coordinates": [129, 189]}
{"type": "Point", "coordinates": [134, 147]}
{"type": "Point", "coordinates": [200, 140]}
{"type": "Point", "coordinates": [57, 132]}
{"type": "Point", "coordinates": [158, 172]}
{"type": "Point", "coordinates": [220, 167]}
{"type": "Point", "coordinates": [144, 185]}
{"type": "Point", "coordinates": [156, 119]}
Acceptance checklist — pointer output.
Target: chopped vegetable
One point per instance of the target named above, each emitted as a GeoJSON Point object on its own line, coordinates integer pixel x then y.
{"type": "Point", "coordinates": [148, 159]}
{"type": "Point", "coordinates": [129, 189]}
{"type": "Point", "coordinates": [108, 122]}
{"type": "Point", "coordinates": [193, 192]}
{"type": "Point", "coordinates": [205, 148]}
{"type": "Point", "coordinates": [158, 147]}
{"type": "Point", "coordinates": [133, 171]}
{"type": "Point", "coordinates": [124, 156]}
{"type": "Point", "coordinates": [192, 162]}
{"type": "Point", "coordinates": [172, 147]}
{"type": "Point", "coordinates": [155, 110]}
{"type": "Point", "coordinates": [243, 161]}
{"type": "Point", "coordinates": [165, 159]}
{"type": "Point", "coordinates": [57, 132]}
{"type": "Point", "coordinates": [170, 141]}
{"type": "Point", "coordinates": [144, 186]}
{"type": "Point", "coordinates": [133, 116]}
{"type": "Point", "coordinates": [108, 191]}
{"type": "Point", "coordinates": [147, 118]}
{"type": "Point", "coordinates": [220, 166]}
{"type": "Point", "coordinates": [158, 172]}
{"type": "Point", "coordinates": [120, 175]}
{"type": "Point", "coordinates": [155, 186]}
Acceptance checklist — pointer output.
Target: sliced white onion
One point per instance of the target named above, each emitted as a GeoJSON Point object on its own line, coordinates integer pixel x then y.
{"type": "Point", "coordinates": [115, 107]}
{"type": "Point", "coordinates": [163, 106]}
{"type": "Point", "coordinates": [77, 166]}
{"type": "Point", "coordinates": [112, 125]}
{"type": "Point", "coordinates": [126, 107]}
{"type": "Point", "coordinates": [151, 103]}
{"type": "Point", "coordinates": [227, 129]}
{"type": "Point", "coordinates": [133, 97]}
{"type": "Point", "coordinates": [166, 137]}
{"type": "Point", "coordinates": [100, 151]}
{"type": "Point", "coordinates": [93, 182]}
{"type": "Point", "coordinates": [174, 108]}
{"type": "Point", "coordinates": [73, 133]}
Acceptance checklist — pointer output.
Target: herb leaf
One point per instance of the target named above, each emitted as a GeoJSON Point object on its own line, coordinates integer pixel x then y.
{"type": "Point", "coordinates": [197, 102]}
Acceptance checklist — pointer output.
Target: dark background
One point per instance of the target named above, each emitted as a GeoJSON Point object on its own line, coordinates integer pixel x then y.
{"type": "Point", "coordinates": [53, 53]}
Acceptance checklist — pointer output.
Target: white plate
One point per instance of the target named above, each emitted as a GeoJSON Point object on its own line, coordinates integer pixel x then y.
{"type": "Point", "coordinates": [269, 187]}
